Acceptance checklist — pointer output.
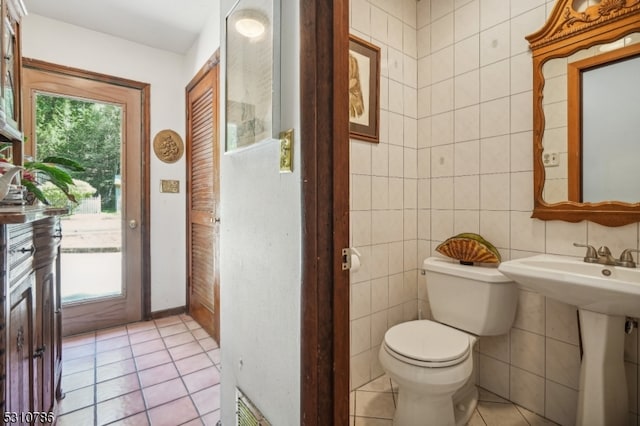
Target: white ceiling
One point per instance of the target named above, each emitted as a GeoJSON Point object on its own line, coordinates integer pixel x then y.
{"type": "Point", "coordinates": [164, 24]}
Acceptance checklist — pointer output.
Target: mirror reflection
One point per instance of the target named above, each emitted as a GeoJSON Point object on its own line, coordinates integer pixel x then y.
{"type": "Point", "coordinates": [599, 119]}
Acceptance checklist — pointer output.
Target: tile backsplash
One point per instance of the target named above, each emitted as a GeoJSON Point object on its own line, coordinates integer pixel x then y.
{"type": "Point", "coordinates": [455, 155]}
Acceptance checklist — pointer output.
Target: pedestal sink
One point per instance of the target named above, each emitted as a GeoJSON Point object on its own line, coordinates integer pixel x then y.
{"type": "Point", "coordinates": [605, 295]}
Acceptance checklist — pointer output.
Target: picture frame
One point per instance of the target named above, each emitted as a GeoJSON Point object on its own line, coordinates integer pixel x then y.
{"type": "Point", "coordinates": [364, 90]}
{"type": "Point", "coordinates": [252, 73]}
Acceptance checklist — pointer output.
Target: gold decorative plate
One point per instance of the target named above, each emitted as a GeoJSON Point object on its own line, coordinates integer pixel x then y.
{"type": "Point", "coordinates": [168, 146]}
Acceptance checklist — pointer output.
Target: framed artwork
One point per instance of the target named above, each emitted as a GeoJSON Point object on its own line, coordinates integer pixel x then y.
{"type": "Point", "coordinates": [364, 90]}
{"type": "Point", "coordinates": [252, 49]}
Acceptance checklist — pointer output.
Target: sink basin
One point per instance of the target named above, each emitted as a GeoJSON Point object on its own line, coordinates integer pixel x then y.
{"type": "Point", "coordinates": [611, 290]}
{"type": "Point", "coordinates": [604, 295]}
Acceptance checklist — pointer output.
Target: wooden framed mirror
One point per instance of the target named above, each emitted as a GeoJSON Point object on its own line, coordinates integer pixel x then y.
{"type": "Point", "coordinates": [582, 52]}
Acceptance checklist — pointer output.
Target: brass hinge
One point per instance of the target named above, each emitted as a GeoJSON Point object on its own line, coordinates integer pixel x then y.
{"type": "Point", "coordinates": [346, 259]}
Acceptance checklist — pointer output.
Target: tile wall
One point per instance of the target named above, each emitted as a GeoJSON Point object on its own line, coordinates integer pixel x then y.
{"type": "Point", "coordinates": [384, 180]}
{"type": "Point", "coordinates": [456, 156]}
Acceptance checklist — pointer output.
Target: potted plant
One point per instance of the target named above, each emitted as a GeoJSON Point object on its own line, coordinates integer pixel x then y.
{"type": "Point", "coordinates": [51, 169]}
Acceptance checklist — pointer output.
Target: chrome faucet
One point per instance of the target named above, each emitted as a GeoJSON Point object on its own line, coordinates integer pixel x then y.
{"type": "Point", "coordinates": [603, 256]}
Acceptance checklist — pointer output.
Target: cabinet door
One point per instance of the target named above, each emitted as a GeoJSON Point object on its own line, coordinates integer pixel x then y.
{"type": "Point", "coordinates": [20, 372]}
{"type": "Point", "coordinates": [45, 338]}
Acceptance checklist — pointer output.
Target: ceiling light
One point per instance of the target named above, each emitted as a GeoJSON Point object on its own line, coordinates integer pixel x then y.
{"type": "Point", "coordinates": [250, 23]}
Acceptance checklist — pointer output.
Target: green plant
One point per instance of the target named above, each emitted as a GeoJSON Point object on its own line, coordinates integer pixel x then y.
{"type": "Point", "coordinates": [79, 190]}
{"type": "Point", "coordinates": [53, 169]}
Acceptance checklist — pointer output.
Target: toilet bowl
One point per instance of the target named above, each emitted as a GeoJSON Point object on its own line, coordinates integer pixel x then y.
{"type": "Point", "coordinates": [428, 374]}
{"type": "Point", "coordinates": [431, 362]}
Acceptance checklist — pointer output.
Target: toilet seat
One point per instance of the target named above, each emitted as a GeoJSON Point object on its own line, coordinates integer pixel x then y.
{"type": "Point", "coordinates": [427, 343]}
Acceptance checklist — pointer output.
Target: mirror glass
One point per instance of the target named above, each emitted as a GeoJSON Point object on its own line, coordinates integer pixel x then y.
{"type": "Point", "coordinates": [603, 117]}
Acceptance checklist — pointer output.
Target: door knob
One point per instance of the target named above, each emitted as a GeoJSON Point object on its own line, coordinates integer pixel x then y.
{"type": "Point", "coordinates": [133, 224]}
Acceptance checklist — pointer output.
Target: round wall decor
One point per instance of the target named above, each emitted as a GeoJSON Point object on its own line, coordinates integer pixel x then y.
{"type": "Point", "coordinates": [168, 146]}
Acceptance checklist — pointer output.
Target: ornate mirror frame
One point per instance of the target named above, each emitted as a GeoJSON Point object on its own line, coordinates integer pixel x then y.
{"type": "Point", "coordinates": [566, 32]}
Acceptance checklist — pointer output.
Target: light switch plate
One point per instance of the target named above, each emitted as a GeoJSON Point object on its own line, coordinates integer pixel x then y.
{"type": "Point", "coordinates": [171, 186]}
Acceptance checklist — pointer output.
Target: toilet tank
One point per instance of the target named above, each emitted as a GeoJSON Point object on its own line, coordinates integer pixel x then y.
{"type": "Point", "coordinates": [477, 299]}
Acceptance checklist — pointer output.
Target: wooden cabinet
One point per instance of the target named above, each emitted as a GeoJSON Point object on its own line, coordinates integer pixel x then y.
{"type": "Point", "coordinates": [31, 338]}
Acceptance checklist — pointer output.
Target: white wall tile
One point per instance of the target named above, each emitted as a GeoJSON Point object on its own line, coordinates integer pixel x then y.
{"type": "Point", "coordinates": [379, 25]}
{"type": "Point", "coordinates": [521, 73]}
{"type": "Point", "coordinates": [467, 123]}
{"type": "Point", "coordinates": [527, 351]}
{"type": "Point", "coordinates": [561, 322]}
{"type": "Point", "coordinates": [395, 29]}
{"type": "Point", "coordinates": [494, 118]}
{"type": "Point", "coordinates": [494, 375]}
{"type": "Point", "coordinates": [466, 221]}
{"type": "Point", "coordinates": [493, 12]}
{"type": "Point", "coordinates": [360, 158]}
{"type": "Point", "coordinates": [379, 193]}
{"type": "Point", "coordinates": [494, 192]}
{"type": "Point", "coordinates": [361, 16]}
{"type": "Point", "coordinates": [495, 80]}
{"type": "Point", "coordinates": [467, 192]}
{"type": "Point", "coordinates": [442, 64]}
{"type": "Point", "coordinates": [442, 97]}
{"type": "Point", "coordinates": [527, 389]}
{"type": "Point", "coordinates": [466, 20]}
{"type": "Point", "coordinates": [467, 89]}
{"type": "Point", "coordinates": [442, 160]}
{"type": "Point", "coordinates": [494, 154]}
{"type": "Point", "coordinates": [409, 41]}
{"type": "Point", "coordinates": [521, 112]}
{"type": "Point", "coordinates": [467, 158]}
{"type": "Point", "coordinates": [396, 193]}
{"type": "Point", "coordinates": [360, 300]}
{"type": "Point", "coordinates": [563, 363]}
{"type": "Point", "coordinates": [467, 55]}
{"type": "Point", "coordinates": [411, 132]}
{"type": "Point", "coordinates": [439, 8]}
{"type": "Point", "coordinates": [494, 227]}
{"type": "Point", "coordinates": [523, 25]}
{"type": "Point", "coordinates": [396, 129]}
{"type": "Point", "coordinates": [526, 233]}
{"type": "Point", "coordinates": [442, 129]}
{"type": "Point", "coordinates": [361, 192]}
{"type": "Point", "coordinates": [441, 224]}
{"type": "Point", "coordinates": [494, 44]}
{"type": "Point", "coordinates": [380, 295]}
{"type": "Point", "coordinates": [560, 403]}
{"type": "Point", "coordinates": [442, 32]}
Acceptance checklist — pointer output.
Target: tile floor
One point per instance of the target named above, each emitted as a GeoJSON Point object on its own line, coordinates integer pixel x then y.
{"type": "Point", "coordinates": [374, 404]}
{"type": "Point", "coordinates": [160, 373]}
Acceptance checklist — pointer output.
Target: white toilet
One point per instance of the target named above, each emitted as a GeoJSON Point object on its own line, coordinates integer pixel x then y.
{"type": "Point", "coordinates": [432, 362]}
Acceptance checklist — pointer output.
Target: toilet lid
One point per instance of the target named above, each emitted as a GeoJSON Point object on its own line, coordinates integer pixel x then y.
{"type": "Point", "coordinates": [427, 341]}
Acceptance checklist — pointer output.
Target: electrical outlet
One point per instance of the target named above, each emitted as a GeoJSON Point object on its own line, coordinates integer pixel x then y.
{"type": "Point", "coordinates": [551, 159]}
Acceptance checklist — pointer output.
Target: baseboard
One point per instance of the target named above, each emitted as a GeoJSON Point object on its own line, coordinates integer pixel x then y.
{"type": "Point", "coordinates": [167, 313]}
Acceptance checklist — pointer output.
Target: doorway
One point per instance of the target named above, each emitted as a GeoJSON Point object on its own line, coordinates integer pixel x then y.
{"type": "Point", "coordinates": [100, 122]}
{"type": "Point", "coordinates": [203, 196]}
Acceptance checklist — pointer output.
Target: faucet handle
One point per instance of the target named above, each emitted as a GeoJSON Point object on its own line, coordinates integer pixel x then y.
{"type": "Point", "coordinates": [626, 258]}
{"type": "Point", "coordinates": [591, 256]}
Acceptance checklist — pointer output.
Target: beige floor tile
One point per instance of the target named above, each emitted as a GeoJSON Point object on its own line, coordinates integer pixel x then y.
{"type": "Point", "coordinates": [381, 384]}
{"type": "Point", "coordinates": [120, 407]}
{"type": "Point", "coordinates": [147, 347]}
{"type": "Point", "coordinates": [173, 413]}
{"type": "Point", "coordinates": [178, 339]}
{"type": "Point", "coordinates": [139, 419]}
{"type": "Point", "coordinates": [76, 399]}
{"type": "Point", "coordinates": [144, 336]}
{"type": "Point", "coordinates": [476, 420]}
{"type": "Point", "coordinates": [367, 421]}
{"type": "Point", "coordinates": [117, 369]}
{"type": "Point", "coordinates": [202, 379]}
{"type": "Point", "coordinates": [117, 387]}
{"type": "Point", "coordinates": [164, 392]}
{"type": "Point", "coordinates": [159, 374]}
{"type": "Point", "coordinates": [207, 400]}
{"type": "Point", "coordinates": [375, 404]}
{"type": "Point", "coordinates": [84, 417]}
{"type": "Point", "coordinates": [533, 418]}
{"type": "Point", "coordinates": [499, 414]}
{"type": "Point", "coordinates": [153, 359]}
{"type": "Point", "coordinates": [194, 363]}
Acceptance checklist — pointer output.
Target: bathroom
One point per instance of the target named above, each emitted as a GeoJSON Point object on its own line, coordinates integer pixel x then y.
{"type": "Point", "coordinates": [455, 155]}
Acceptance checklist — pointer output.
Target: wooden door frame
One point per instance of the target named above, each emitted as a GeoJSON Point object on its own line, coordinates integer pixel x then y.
{"type": "Point", "coordinates": [211, 63]}
{"type": "Point", "coordinates": [145, 91]}
{"type": "Point", "coordinates": [325, 211]}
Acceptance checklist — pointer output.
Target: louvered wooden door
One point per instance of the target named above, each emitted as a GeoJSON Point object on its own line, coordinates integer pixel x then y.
{"type": "Point", "coordinates": [203, 197]}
